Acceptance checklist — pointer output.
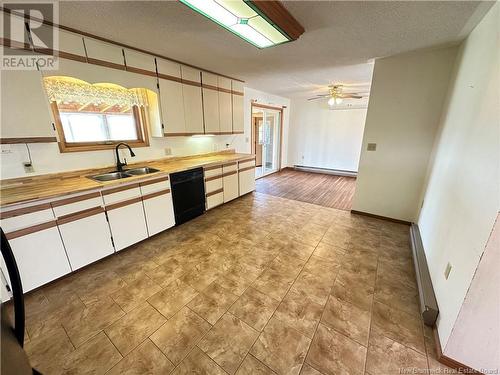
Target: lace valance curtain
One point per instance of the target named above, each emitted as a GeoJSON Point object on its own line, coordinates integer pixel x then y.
{"type": "Point", "coordinates": [63, 90]}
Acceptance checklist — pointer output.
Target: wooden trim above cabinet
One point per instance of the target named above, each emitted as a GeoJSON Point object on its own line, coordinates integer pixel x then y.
{"type": "Point", "coordinates": [120, 188]}
{"type": "Point", "coordinates": [151, 182]}
{"type": "Point", "coordinates": [64, 55]}
{"type": "Point", "coordinates": [169, 78]}
{"type": "Point", "coordinates": [78, 198]}
{"type": "Point", "coordinates": [13, 141]}
{"type": "Point", "coordinates": [128, 202]}
{"type": "Point", "coordinates": [179, 134]}
{"type": "Point", "coordinates": [79, 215]}
{"type": "Point", "coordinates": [106, 64]}
{"type": "Point", "coordinates": [214, 192]}
{"type": "Point", "coordinates": [145, 72]}
{"type": "Point", "coordinates": [237, 93]}
{"type": "Point", "coordinates": [24, 211]}
{"type": "Point", "coordinates": [155, 194]}
{"type": "Point", "coordinates": [210, 87]}
{"type": "Point", "coordinates": [247, 168]}
{"type": "Point", "coordinates": [29, 230]}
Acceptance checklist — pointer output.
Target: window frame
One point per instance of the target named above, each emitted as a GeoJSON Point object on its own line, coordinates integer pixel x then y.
{"type": "Point", "coordinates": [141, 122]}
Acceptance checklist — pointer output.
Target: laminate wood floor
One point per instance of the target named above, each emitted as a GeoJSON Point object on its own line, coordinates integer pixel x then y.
{"type": "Point", "coordinates": [321, 189]}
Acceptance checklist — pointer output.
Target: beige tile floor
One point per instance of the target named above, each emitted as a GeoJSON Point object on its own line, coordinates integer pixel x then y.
{"type": "Point", "coordinates": [261, 285]}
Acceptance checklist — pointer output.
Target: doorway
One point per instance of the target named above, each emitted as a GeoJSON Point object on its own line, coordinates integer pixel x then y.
{"type": "Point", "coordinates": [267, 130]}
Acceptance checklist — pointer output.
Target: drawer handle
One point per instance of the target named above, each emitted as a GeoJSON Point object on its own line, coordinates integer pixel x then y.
{"type": "Point", "coordinates": [156, 194]}
{"type": "Point", "coordinates": [79, 215]}
{"type": "Point", "coordinates": [29, 230]}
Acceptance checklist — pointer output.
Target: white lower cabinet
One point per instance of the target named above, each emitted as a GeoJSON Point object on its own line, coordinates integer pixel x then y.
{"type": "Point", "coordinates": [215, 199]}
{"type": "Point", "coordinates": [230, 181]}
{"type": "Point", "coordinates": [127, 223]}
{"type": "Point", "coordinates": [40, 256]}
{"type": "Point", "coordinates": [159, 211]}
{"type": "Point", "coordinates": [86, 237]}
{"type": "Point", "coordinates": [246, 176]}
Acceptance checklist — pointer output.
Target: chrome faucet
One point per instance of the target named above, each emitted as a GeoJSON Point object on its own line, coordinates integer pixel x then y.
{"type": "Point", "coordinates": [119, 164]}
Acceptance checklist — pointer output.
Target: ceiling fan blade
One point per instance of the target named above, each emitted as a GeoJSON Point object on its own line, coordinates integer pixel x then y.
{"type": "Point", "coordinates": [318, 97]}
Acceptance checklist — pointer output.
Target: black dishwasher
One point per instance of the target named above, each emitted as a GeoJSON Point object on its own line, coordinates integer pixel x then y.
{"type": "Point", "coordinates": [188, 194]}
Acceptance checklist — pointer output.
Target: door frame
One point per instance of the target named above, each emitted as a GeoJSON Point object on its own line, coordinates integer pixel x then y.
{"type": "Point", "coordinates": [252, 130]}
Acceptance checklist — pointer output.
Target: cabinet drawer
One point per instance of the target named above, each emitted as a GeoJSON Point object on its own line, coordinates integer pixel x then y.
{"type": "Point", "coordinates": [230, 167]}
{"type": "Point", "coordinates": [213, 185]}
{"type": "Point", "coordinates": [76, 203]}
{"type": "Point", "coordinates": [246, 164]}
{"type": "Point", "coordinates": [121, 193]}
{"type": "Point", "coordinates": [24, 217]}
{"type": "Point", "coordinates": [152, 186]}
{"type": "Point", "coordinates": [212, 171]}
{"type": "Point", "coordinates": [214, 200]}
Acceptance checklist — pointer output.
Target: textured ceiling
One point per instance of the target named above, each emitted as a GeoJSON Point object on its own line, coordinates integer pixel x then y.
{"type": "Point", "coordinates": [341, 37]}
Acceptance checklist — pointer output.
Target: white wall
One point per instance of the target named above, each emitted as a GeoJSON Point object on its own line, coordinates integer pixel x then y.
{"type": "Point", "coordinates": [462, 197]}
{"type": "Point", "coordinates": [270, 99]}
{"type": "Point", "coordinates": [324, 138]}
{"type": "Point", "coordinates": [406, 100]}
{"type": "Point", "coordinates": [47, 158]}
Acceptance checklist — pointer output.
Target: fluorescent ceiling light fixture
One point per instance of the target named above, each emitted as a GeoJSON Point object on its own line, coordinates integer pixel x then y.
{"type": "Point", "coordinates": [245, 19]}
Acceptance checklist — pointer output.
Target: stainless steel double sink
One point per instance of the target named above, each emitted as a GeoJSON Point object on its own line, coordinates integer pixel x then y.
{"type": "Point", "coordinates": [110, 176]}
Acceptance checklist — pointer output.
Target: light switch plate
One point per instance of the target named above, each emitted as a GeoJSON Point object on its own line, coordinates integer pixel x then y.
{"type": "Point", "coordinates": [371, 147]}
{"type": "Point", "coordinates": [168, 151]}
{"type": "Point", "coordinates": [447, 271]}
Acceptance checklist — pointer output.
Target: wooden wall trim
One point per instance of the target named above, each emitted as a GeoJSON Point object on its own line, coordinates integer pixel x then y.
{"type": "Point", "coordinates": [380, 217]}
{"type": "Point", "coordinates": [120, 188]}
{"type": "Point", "coordinates": [247, 168]}
{"type": "Point", "coordinates": [24, 211]}
{"type": "Point", "coordinates": [237, 93]}
{"type": "Point", "coordinates": [106, 64]}
{"type": "Point", "coordinates": [123, 45]}
{"type": "Point", "coordinates": [156, 180]}
{"type": "Point", "coordinates": [78, 198]}
{"type": "Point", "coordinates": [169, 78]}
{"type": "Point", "coordinates": [214, 192]}
{"type": "Point", "coordinates": [128, 202]}
{"type": "Point", "coordinates": [145, 72]}
{"type": "Point", "coordinates": [64, 55]}
{"type": "Point", "coordinates": [450, 362]}
{"type": "Point", "coordinates": [33, 229]}
{"type": "Point", "coordinates": [12, 141]}
{"type": "Point", "coordinates": [155, 194]}
{"type": "Point", "coordinates": [79, 215]}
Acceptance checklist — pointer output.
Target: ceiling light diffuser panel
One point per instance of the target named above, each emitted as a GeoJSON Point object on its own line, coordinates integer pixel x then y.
{"type": "Point", "coordinates": [246, 20]}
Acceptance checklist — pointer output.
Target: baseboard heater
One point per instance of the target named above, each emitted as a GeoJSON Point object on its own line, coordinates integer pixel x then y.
{"type": "Point", "coordinates": [428, 304]}
{"type": "Point", "coordinates": [337, 172]}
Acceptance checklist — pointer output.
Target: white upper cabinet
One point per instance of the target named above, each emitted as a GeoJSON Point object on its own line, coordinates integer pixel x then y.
{"type": "Point", "coordinates": [67, 42]}
{"type": "Point", "coordinates": [237, 99]}
{"type": "Point", "coordinates": [193, 107]}
{"type": "Point", "coordinates": [102, 51]}
{"type": "Point", "coordinates": [18, 35]}
{"type": "Point", "coordinates": [24, 106]}
{"type": "Point", "coordinates": [225, 105]}
{"type": "Point", "coordinates": [210, 103]}
{"type": "Point", "coordinates": [171, 99]}
{"type": "Point", "coordinates": [139, 60]}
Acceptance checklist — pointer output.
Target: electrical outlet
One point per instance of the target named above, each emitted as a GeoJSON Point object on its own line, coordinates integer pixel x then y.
{"type": "Point", "coordinates": [447, 271]}
{"type": "Point", "coordinates": [371, 147]}
{"type": "Point", "coordinates": [168, 151]}
{"type": "Point", "coordinates": [6, 151]}
{"type": "Point", "coordinates": [28, 167]}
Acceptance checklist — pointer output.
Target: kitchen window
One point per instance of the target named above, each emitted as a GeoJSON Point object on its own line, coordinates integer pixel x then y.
{"type": "Point", "coordinates": [97, 116]}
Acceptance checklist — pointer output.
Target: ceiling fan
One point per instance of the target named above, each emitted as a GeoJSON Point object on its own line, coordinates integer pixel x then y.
{"type": "Point", "coordinates": [336, 95]}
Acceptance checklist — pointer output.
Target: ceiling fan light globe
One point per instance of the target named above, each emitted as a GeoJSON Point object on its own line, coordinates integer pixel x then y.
{"type": "Point", "coordinates": [331, 101]}
{"type": "Point", "coordinates": [338, 100]}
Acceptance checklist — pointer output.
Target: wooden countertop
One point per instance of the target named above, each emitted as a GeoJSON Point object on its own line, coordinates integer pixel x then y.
{"type": "Point", "coordinates": [43, 187]}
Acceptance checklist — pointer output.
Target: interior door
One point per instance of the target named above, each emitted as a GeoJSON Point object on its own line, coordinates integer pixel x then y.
{"type": "Point", "coordinates": [270, 141]}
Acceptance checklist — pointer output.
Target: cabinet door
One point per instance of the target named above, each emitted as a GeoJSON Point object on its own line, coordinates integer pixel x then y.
{"type": "Point", "coordinates": [101, 52]}
{"type": "Point", "coordinates": [139, 60]}
{"type": "Point", "coordinates": [210, 103]}
{"type": "Point", "coordinates": [230, 181]}
{"type": "Point", "coordinates": [127, 223]}
{"type": "Point", "coordinates": [22, 115]}
{"type": "Point", "coordinates": [247, 180]}
{"type": "Point", "coordinates": [214, 199]}
{"type": "Point", "coordinates": [158, 206]}
{"type": "Point", "coordinates": [237, 100]}
{"type": "Point", "coordinates": [172, 108]}
{"type": "Point", "coordinates": [193, 107]}
{"type": "Point", "coordinates": [39, 254]}
{"type": "Point", "coordinates": [225, 105]}
{"type": "Point", "coordinates": [86, 236]}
